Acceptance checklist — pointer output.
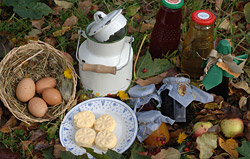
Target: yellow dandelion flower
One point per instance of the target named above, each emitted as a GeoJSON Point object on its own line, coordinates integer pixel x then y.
{"type": "Point", "coordinates": [124, 96]}
{"type": "Point", "coordinates": [97, 94]}
{"type": "Point", "coordinates": [182, 137]}
{"type": "Point", "coordinates": [68, 73]}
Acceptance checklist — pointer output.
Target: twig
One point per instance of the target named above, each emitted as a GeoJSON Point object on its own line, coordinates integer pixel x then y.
{"type": "Point", "coordinates": [137, 56]}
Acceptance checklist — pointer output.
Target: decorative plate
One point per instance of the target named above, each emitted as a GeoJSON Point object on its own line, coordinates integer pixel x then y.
{"type": "Point", "coordinates": [125, 131]}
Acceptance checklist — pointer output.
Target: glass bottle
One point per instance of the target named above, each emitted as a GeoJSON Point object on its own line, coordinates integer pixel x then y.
{"type": "Point", "coordinates": [198, 43]}
{"type": "Point", "coordinates": [165, 37]}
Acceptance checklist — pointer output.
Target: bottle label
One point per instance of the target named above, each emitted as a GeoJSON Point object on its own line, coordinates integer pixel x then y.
{"type": "Point", "coordinates": [203, 15]}
{"type": "Point", "coordinates": [173, 1]}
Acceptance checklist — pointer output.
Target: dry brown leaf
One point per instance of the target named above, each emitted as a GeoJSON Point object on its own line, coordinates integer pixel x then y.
{"type": "Point", "coordinates": [206, 143]}
{"type": "Point", "coordinates": [218, 4]}
{"type": "Point", "coordinates": [85, 6]}
{"type": "Point", "coordinates": [26, 144]}
{"type": "Point", "coordinates": [63, 4]}
{"type": "Point", "coordinates": [144, 27]}
{"type": "Point", "coordinates": [56, 10]}
{"type": "Point", "coordinates": [71, 21]}
{"type": "Point", "coordinates": [152, 80]}
{"type": "Point", "coordinates": [58, 148]}
{"type": "Point", "coordinates": [61, 32]}
{"type": "Point", "coordinates": [38, 23]}
{"type": "Point", "coordinates": [242, 101]}
{"type": "Point", "coordinates": [9, 124]}
{"type": "Point", "coordinates": [241, 85]}
{"type": "Point", "coordinates": [225, 24]}
{"type": "Point", "coordinates": [229, 146]}
{"type": "Point", "coordinates": [51, 41]}
{"type": "Point", "coordinates": [170, 153]}
{"type": "Point", "coordinates": [74, 36]}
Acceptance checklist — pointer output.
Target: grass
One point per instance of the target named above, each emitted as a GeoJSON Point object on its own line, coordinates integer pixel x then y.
{"type": "Point", "coordinates": [17, 28]}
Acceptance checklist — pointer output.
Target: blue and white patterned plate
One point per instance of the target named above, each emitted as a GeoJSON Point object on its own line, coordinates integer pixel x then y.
{"type": "Point", "coordinates": [125, 130]}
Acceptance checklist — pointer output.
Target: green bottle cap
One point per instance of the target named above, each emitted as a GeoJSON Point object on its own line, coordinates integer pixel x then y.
{"type": "Point", "coordinates": [172, 4]}
{"type": "Point", "coordinates": [224, 47]}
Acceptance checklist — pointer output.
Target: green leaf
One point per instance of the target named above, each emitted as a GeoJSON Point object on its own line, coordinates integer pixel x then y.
{"type": "Point", "coordinates": [247, 12]}
{"type": "Point", "coordinates": [19, 132]}
{"type": "Point", "coordinates": [29, 8]}
{"type": "Point", "coordinates": [52, 131]}
{"type": "Point", "coordinates": [132, 10]}
{"type": "Point", "coordinates": [48, 153]}
{"type": "Point", "coordinates": [69, 155]}
{"type": "Point", "coordinates": [96, 155]}
{"type": "Point", "coordinates": [244, 150]}
{"type": "Point", "coordinates": [114, 155]}
{"type": "Point", "coordinates": [154, 67]}
{"type": "Point", "coordinates": [135, 149]}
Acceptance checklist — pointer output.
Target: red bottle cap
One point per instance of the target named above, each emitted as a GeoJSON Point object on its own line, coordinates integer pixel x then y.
{"type": "Point", "coordinates": [203, 17]}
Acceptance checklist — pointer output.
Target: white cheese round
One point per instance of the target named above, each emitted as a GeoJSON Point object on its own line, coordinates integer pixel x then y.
{"type": "Point", "coordinates": [105, 140]}
{"type": "Point", "coordinates": [85, 137]}
{"type": "Point", "coordinates": [105, 122]}
{"type": "Point", "coordinates": [84, 119]}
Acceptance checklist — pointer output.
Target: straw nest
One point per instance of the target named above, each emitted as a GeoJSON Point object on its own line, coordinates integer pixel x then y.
{"type": "Point", "coordinates": [35, 60]}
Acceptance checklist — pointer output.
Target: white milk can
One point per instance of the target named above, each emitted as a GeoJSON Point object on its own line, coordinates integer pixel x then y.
{"type": "Point", "coordinates": [106, 56]}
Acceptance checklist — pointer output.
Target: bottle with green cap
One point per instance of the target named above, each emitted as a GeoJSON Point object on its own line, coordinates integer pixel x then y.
{"type": "Point", "coordinates": [165, 37]}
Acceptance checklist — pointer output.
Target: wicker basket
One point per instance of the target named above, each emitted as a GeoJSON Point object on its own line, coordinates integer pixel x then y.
{"type": "Point", "coordinates": [34, 60]}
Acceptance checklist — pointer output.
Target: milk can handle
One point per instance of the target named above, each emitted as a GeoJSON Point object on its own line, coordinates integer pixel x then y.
{"type": "Point", "coordinates": [98, 16]}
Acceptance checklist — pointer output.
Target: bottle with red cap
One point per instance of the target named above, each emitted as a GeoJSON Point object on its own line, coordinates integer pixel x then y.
{"type": "Point", "coordinates": [198, 43]}
{"type": "Point", "coordinates": [165, 37]}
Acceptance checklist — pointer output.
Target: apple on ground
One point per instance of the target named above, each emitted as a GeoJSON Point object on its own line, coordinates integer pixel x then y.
{"type": "Point", "coordinates": [201, 127]}
{"type": "Point", "coordinates": [232, 127]}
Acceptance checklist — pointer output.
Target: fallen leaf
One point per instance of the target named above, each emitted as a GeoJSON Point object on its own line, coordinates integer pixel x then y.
{"type": "Point", "coordinates": [212, 106]}
{"type": "Point", "coordinates": [50, 40]}
{"type": "Point", "coordinates": [225, 24]}
{"type": "Point", "coordinates": [152, 80]}
{"type": "Point", "coordinates": [9, 124]}
{"type": "Point", "coordinates": [85, 6]}
{"type": "Point", "coordinates": [63, 4]}
{"type": "Point", "coordinates": [244, 150]}
{"type": "Point", "coordinates": [170, 153]}
{"type": "Point", "coordinates": [6, 153]}
{"type": "Point", "coordinates": [206, 143]}
{"type": "Point", "coordinates": [37, 135]}
{"type": "Point", "coordinates": [74, 36]}
{"type": "Point", "coordinates": [132, 10]}
{"type": "Point", "coordinates": [61, 32]}
{"type": "Point", "coordinates": [241, 85]}
{"type": "Point", "coordinates": [71, 21]}
{"type": "Point", "coordinates": [42, 145]}
{"type": "Point", "coordinates": [26, 144]}
{"type": "Point", "coordinates": [144, 27]}
{"type": "Point", "coordinates": [34, 33]}
{"type": "Point", "coordinates": [58, 148]}
{"type": "Point", "coordinates": [247, 12]}
{"type": "Point", "coordinates": [229, 146]}
{"type": "Point", "coordinates": [56, 10]}
{"type": "Point", "coordinates": [5, 45]}
{"type": "Point", "coordinates": [218, 4]}
{"type": "Point", "coordinates": [242, 101]}
{"type": "Point", "coordinates": [38, 23]}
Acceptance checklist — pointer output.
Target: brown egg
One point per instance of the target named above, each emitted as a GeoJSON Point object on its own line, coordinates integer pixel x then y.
{"type": "Point", "coordinates": [52, 96]}
{"type": "Point", "coordinates": [37, 107]}
{"type": "Point", "coordinates": [25, 89]}
{"type": "Point", "coordinates": [43, 83]}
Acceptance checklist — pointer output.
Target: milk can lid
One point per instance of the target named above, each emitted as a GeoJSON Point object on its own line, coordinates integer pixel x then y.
{"type": "Point", "coordinates": [203, 17]}
{"type": "Point", "coordinates": [102, 20]}
{"type": "Point", "coordinates": [172, 4]}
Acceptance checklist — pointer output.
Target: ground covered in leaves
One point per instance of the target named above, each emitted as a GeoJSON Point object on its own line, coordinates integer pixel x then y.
{"type": "Point", "coordinates": [57, 23]}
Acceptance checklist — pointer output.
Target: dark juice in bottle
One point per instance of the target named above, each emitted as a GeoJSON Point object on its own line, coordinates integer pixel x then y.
{"type": "Point", "coordinates": [165, 37]}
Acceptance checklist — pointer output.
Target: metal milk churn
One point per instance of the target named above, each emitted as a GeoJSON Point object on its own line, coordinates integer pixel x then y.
{"type": "Point", "coordinates": [106, 56]}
